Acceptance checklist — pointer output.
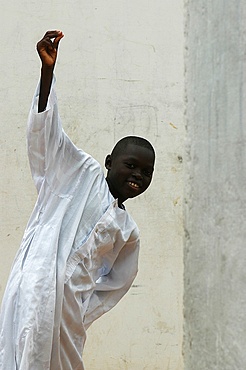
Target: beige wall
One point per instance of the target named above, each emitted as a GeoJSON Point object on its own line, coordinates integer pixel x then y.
{"type": "Point", "coordinates": [120, 71]}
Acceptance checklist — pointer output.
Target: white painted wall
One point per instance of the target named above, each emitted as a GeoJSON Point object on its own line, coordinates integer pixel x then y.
{"type": "Point", "coordinates": [120, 71]}
{"type": "Point", "coordinates": [215, 254]}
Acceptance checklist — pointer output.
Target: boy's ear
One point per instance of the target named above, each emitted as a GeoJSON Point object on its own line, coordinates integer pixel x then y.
{"type": "Point", "coordinates": [108, 162]}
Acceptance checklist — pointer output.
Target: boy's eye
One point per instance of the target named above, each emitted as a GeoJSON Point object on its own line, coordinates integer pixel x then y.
{"type": "Point", "coordinates": [130, 165]}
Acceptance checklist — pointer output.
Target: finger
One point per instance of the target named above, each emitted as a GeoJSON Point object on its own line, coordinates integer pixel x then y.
{"type": "Point", "coordinates": [54, 37]}
{"type": "Point", "coordinates": [51, 34]}
{"type": "Point", "coordinates": [47, 37]}
{"type": "Point", "coordinates": [57, 40]}
{"type": "Point", "coordinates": [45, 44]}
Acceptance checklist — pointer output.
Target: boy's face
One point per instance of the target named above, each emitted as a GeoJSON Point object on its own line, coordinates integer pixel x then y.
{"type": "Point", "coordinates": [130, 173]}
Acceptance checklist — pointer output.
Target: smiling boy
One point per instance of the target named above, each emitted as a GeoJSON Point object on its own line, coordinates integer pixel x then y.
{"type": "Point", "coordinates": [130, 167]}
{"type": "Point", "coordinates": [79, 252]}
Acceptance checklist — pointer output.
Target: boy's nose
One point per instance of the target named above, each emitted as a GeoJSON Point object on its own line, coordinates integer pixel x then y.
{"type": "Point", "coordinates": [137, 174]}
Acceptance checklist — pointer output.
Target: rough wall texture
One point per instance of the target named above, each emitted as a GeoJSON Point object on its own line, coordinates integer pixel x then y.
{"type": "Point", "coordinates": [215, 253]}
{"type": "Point", "coordinates": [120, 71]}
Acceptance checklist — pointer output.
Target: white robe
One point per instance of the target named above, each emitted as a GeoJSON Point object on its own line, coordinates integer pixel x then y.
{"type": "Point", "coordinates": [78, 256]}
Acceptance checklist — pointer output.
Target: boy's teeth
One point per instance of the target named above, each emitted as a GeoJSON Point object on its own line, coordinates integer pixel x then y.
{"type": "Point", "coordinates": [133, 184]}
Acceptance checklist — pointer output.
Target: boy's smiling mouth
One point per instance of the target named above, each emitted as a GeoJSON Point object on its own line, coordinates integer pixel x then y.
{"type": "Point", "coordinates": [133, 185]}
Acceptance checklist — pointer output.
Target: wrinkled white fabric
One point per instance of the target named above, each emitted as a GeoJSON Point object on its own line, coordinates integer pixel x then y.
{"type": "Point", "coordinates": [78, 256]}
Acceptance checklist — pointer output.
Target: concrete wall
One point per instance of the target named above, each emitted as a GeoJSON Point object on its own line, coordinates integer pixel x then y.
{"type": "Point", "coordinates": [120, 71]}
{"type": "Point", "coordinates": [215, 255]}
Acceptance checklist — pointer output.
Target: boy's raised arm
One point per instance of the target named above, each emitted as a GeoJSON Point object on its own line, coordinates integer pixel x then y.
{"type": "Point", "coordinates": [47, 49]}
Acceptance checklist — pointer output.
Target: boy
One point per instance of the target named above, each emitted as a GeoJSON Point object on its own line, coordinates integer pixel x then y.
{"type": "Point", "coordinates": [79, 252]}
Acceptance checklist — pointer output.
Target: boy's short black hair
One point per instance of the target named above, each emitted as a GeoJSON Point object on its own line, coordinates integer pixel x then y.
{"type": "Point", "coordinates": [121, 145]}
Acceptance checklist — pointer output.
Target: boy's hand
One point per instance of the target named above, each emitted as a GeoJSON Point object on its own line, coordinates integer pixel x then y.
{"type": "Point", "coordinates": [47, 50]}
{"type": "Point", "coordinates": [47, 47]}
